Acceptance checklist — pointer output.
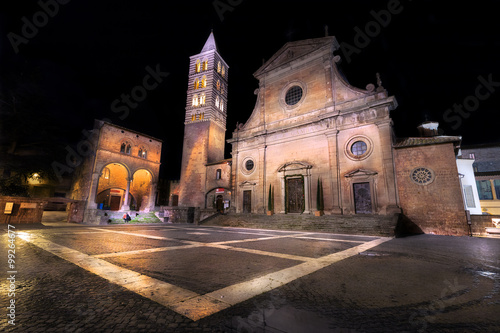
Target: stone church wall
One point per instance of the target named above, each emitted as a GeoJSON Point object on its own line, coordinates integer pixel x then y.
{"type": "Point", "coordinates": [437, 206]}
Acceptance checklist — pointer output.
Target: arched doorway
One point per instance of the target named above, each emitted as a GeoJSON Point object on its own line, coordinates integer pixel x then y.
{"type": "Point", "coordinates": [140, 188]}
{"type": "Point", "coordinates": [112, 185]}
{"type": "Point", "coordinates": [219, 204]}
{"type": "Point", "coordinates": [216, 197]}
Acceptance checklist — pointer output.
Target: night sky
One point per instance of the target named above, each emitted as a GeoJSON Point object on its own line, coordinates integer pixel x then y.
{"type": "Point", "coordinates": [439, 61]}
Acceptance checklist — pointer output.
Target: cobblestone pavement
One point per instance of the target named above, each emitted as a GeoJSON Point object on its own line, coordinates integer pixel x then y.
{"type": "Point", "coordinates": [185, 278]}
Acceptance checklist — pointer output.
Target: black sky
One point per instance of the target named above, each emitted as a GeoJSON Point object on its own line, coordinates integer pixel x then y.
{"type": "Point", "coordinates": [430, 56]}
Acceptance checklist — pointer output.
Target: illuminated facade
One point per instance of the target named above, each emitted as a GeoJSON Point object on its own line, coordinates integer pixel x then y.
{"type": "Point", "coordinates": [310, 123]}
{"type": "Point", "coordinates": [311, 129]}
{"type": "Point", "coordinates": [122, 173]}
{"type": "Point", "coordinates": [205, 130]}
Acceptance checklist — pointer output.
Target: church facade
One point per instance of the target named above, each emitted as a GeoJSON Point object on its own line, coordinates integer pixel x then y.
{"type": "Point", "coordinates": [313, 141]}
{"type": "Point", "coordinates": [311, 127]}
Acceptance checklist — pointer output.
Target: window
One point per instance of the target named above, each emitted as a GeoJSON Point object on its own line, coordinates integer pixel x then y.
{"type": "Point", "coordinates": [202, 99]}
{"type": "Point", "coordinates": [358, 148]}
{"type": "Point", "coordinates": [469, 196]}
{"type": "Point", "coordinates": [249, 165]}
{"type": "Point", "coordinates": [223, 71]}
{"type": "Point", "coordinates": [198, 66]}
{"type": "Point", "coordinates": [204, 82]}
{"type": "Point", "coordinates": [205, 65]}
{"type": "Point", "coordinates": [293, 95]}
{"type": "Point", "coordinates": [221, 107]}
{"type": "Point", "coordinates": [125, 148]}
{"type": "Point", "coordinates": [218, 67]}
{"type": "Point", "coordinates": [196, 84]}
{"type": "Point", "coordinates": [218, 174]}
{"type": "Point", "coordinates": [106, 173]}
{"type": "Point", "coordinates": [496, 183]}
{"type": "Point", "coordinates": [422, 176]}
{"type": "Point", "coordinates": [143, 153]}
{"type": "Point", "coordinates": [195, 100]}
{"type": "Point", "coordinates": [218, 84]}
{"type": "Point", "coordinates": [193, 117]}
{"type": "Point", "coordinates": [484, 189]}
{"type": "Point", "coordinates": [217, 101]}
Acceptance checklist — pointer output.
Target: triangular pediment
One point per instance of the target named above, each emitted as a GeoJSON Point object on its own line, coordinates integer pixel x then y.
{"type": "Point", "coordinates": [360, 173]}
{"type": "Point", "coordinates": [295, 165]}
{"type": "Point", "coordinates": [294, 50]}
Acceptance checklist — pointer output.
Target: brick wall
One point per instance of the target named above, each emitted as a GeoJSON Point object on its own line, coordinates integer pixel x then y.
{"type": "Point", "coordinates": [480, 222]}
{"type": "Point", "coordinates": [438, 206]}
{"type": "Point", "coordinates": [25, 210]}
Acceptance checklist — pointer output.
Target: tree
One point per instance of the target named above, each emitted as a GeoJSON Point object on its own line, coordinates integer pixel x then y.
{"type": "Point", "coordinates": [270, 199]}
{"type": "Point", "coordinates": [320, 204]}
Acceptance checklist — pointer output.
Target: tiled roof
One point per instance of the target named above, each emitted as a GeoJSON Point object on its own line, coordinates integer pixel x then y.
{"type": "Point", "coordinates": [423, 141]}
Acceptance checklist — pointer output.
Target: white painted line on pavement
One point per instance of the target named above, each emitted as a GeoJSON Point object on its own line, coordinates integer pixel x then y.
{"type": "Point", "coordinates": [332, 240]}
{"type": "Point", "coordinates": [156, 290]}
{"type": "Point", "coordinates": [136, 234]}
{"type": "Point", "coordinates": [186, 302]}
{"type": "Point", "coordinates": [259, 252]}
{"type": "Point", "coordinates": [152, 250]}
{"type": "Point", "coordinates": [240, 292]}
{"type": "Point", "coordinates": [251, 240]}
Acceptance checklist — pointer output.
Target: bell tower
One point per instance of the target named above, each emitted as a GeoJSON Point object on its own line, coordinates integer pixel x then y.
{"type": "Point", "coordinates": [205, 122]}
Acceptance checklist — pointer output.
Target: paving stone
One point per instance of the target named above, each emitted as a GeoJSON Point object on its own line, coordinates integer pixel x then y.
{"type": "Point", "coordinates": [397, 286]}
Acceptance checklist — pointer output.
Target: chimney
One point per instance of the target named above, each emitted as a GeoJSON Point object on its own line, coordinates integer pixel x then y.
{"type": "Point", "coordinates": [428, 128]}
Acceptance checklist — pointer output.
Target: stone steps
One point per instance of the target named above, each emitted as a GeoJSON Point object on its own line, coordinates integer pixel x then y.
{"type": "Point", "coordinates": [345, 224]}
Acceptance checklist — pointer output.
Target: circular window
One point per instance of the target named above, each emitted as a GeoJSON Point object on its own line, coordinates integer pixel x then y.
{"type": "Point", "coordinates": [358, 148]}
{"type": "Point", "coordinates": [422, 176]}
{"type": "Point", "coordinates": [249, 165]}
{"type": "Point", "coordinates": [293, 95]}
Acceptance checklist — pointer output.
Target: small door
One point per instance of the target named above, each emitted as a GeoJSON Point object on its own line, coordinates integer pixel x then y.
{"type": "Point", "coordinates": [175, 200]}
{"type": "Point", "coordinates": [247, 201]}
{"type": "Point", "coordinates": [362, 198]}
{"type": "Point", "coordinates": [219, 204]}
{"type": "Point", "coordinates": [115, 202]}
{"type": "Point", "coordinates": [295, 195]}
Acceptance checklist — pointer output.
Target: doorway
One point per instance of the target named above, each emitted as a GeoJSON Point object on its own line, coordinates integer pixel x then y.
{"type": "Point", "coordinates": [295, 195]}
{"type": "Point", "coordinates": [115, 202]}
{"type": "Point", "coordinates": [362, 198]}
{"type": "Point", "coordinates": [247, 201]}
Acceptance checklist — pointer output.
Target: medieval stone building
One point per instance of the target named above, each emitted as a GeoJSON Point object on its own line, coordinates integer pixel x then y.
{"type": "Point", "coordinates": [205, 175]}
{"type": "Point", "coordinates": [311, 129]}
{"type": "Point", "coordinates": [120, 174]}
